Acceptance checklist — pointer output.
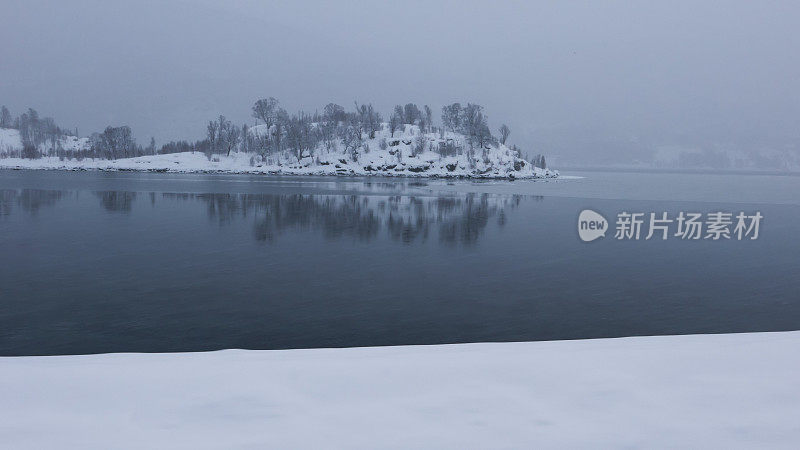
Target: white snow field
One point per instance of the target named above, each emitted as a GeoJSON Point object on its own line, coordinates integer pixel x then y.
{"type": "Point", "coordinates": [9, 140]}
{"type": "Point", "coordinates": [699, 391]}
{"type": "Point", "coordinates": [396, 159]}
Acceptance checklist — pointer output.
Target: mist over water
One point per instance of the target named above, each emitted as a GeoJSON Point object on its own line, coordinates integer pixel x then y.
{"type": "Point", "coordinates": [585, 83]}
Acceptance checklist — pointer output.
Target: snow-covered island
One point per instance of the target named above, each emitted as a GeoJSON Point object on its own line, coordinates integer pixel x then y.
{"type": "Point", "coordinates": [332, 143]}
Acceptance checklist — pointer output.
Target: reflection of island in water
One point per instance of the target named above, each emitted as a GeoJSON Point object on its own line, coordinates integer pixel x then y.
{"type": "Point", "coordinates": [29, 200]}
{"type": "Point", "coordinates": [405, 218]}
{"type": "Point", "coordinates": [32, 200]}
{"type": "Point", "coordinates": [456, 219]}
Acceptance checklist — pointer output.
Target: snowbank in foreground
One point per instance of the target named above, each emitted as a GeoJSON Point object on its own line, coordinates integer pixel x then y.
{"type": "Point", "coordinates": [720, 391]}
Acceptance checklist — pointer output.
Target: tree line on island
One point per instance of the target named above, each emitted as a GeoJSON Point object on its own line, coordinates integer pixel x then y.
{"type": "Point", "coordinates": [276, 134]}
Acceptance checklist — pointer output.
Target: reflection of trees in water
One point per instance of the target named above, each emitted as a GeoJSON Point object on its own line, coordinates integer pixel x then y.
{"type": "Point", "coordinates": [474, 217]}
{"type": "Point", "coordinates": [29, 200]}
{"type": "Point", "coordinates": [116, 201]}
{"type": "Point", "coordinates": [405, 218]}
{"type": "Point", "coordinates": [458, 219]}
{"type": "Point", "coordinates": [335, 216]}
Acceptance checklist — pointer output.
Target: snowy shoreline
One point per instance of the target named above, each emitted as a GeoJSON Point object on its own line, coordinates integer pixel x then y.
{"type": "Point", "coordinates": [720, 391]}
{"type": "Point", "coordinates": [407, 153]}
{"type": "Point", "coordinates": [196, 162]}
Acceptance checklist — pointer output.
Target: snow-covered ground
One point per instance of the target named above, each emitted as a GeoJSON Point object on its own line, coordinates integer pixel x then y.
{"type": "Point", "coordinates": [701, 391]}
{"type": "Point", "coordinates": [396, 159]}
{"type": "Point", "coordinates": [9, 140]}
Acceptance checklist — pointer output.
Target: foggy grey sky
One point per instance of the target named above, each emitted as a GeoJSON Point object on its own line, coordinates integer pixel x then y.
{"type": "Point", "coordinates": [594, 80]}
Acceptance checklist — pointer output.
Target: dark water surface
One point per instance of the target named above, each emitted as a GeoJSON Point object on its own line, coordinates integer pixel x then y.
{"type": "Point", "coordinates": [125, 262]}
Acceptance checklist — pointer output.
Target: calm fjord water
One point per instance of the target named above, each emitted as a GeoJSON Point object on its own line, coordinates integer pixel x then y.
{"type": "Point", "coordinates": [134, 262]}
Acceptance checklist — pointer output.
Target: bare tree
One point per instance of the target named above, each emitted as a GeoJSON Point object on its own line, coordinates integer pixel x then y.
{"type": "Point", "coordinates": [266, 110]}
{"type": "Point", "coordinates": [246, 142]}
{"type": "Point", "coordinates": [369, 119]}
{"type": "Point", "coordinates": [212, 131]}
{"type": "Point", "coordinates": [5, 118]}
{"type": "Point", "coordinates": [51, 133]}
{"type": "Point", "coordinates": [300, 136]}
{"type": "Point", "coordinates": [473, 124]}
{"type": "Point", "coordinates": [396, 120]}
{"type": "Point", "coordinates": [327, 134]}
{"type": "Point", "coordinates": [223, 136]}
{"type": "Point", "coordinates": [451, 117]}
{"type": "Point", "coordinates": [281, 123]}
{"type": "Point", "coordinates": [232, 139]}
{"type": "Point", "coordinates": [429, 117]}
{"type": "Point", "coordinates": [334, 113]}
{"type": "Point", "coordinates": [29, 130]}
{"type": "Point", "coordinates": [115, 142]}
{"type": "Point", "coordinates": [411, 114]}
{"type": "Point", "coordinates": [419, 146]}
{"type": "Point", "coordinates": [229, 135]}
{"type": "Point", "coordinates": [350, 135]}
{"type": "Point", "coordinates": [504, 132]}
{"type": "Point", "coordinates": [375, 121]}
